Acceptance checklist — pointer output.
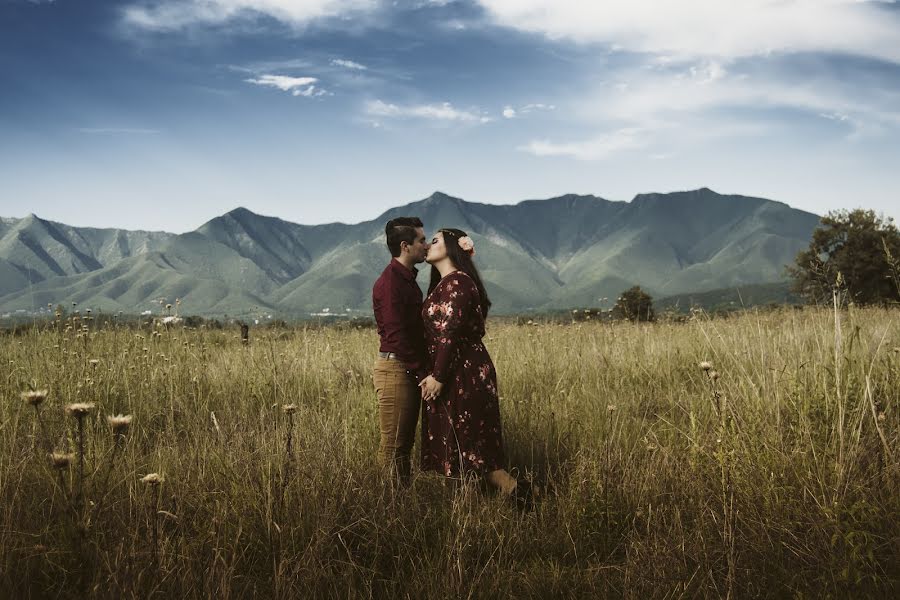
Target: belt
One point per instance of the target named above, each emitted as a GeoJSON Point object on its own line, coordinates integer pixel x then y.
{"type": "Point", "coordinates": [389, 355]}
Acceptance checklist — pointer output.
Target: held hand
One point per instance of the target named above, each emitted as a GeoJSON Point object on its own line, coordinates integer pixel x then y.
{"type": "Point", "coordinates": [431, 388]}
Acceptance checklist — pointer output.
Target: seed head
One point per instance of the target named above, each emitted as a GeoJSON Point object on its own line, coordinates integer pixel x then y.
{"type": "Point", "coordinates": [610, 407]}
{"type": "Point", "coordinates": [79, 409]}
{"type": "Point", "coordinates": [152, 479]}
{"type": "Point", "coordinates": [706, 365]}
{"type": "Point", "coordinates": [61, 460]}
{"type": "Point", "coordinates": [119, 423]}
{"type": "Point", "coordinates": [714, 375]}
{"type": "Point", "coordinates": [34, 397]}
{"type": "Point", "coordinates": [94, 362]}
{"type": "Point", "coordinates": [289, 408]}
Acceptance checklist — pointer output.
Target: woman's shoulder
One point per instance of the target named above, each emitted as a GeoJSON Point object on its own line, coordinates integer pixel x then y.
{"type": "Point", "coordinates": [460, 284]}
{"type": "Point", "coordinates": [461, 278]}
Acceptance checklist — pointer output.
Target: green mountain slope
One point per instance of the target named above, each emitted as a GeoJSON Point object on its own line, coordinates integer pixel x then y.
{"type": "Point", "coordinates": [42, 249]}
{"type": "Point", "coordinates": [563, 252]}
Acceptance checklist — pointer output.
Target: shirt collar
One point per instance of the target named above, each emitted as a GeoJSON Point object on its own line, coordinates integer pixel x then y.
{"type": "Point", "coordinates": [406, 273]}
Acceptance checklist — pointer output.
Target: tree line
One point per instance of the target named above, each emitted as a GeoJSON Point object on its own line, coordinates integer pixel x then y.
{"type": "Point", "coordinates": [853, 257]}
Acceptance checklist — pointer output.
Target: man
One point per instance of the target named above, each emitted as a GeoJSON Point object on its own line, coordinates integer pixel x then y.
{"type": "Point", "coordinates": [397, 301]}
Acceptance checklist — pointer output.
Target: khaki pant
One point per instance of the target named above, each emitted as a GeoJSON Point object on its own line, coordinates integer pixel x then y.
{"type": "Point", "coordinates": [398, 410]}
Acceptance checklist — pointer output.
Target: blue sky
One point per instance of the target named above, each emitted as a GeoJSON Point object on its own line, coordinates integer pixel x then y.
{"type": "Point", "coordinates": [161, 114]}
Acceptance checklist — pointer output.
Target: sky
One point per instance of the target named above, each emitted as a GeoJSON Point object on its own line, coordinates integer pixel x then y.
{"type": "Point", "coordinates": [162, 114]}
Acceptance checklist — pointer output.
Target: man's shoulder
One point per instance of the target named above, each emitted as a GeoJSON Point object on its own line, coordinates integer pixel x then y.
{"type": "Point", "coordinates": [389, 283]}
{"type": "Point", "coordinates": [387, 274]}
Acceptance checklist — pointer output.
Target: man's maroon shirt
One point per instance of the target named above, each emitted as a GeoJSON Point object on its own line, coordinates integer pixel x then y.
{"type": "Point", "coordinates": [397, 301]}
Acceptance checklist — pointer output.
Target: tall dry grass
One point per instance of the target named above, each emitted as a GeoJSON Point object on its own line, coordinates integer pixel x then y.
{"type": "Point", "coordinates": [778, 478]}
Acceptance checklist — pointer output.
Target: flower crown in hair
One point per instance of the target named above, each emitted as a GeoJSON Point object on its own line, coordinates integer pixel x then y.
{"type": "Point", "coordinates": [467, 244]}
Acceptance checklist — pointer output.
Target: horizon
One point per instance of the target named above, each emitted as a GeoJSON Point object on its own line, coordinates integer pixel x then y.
{"type": "Point", "coordinates": [436, 192]}
{"type": "Point", "coordinates": [326, 111]}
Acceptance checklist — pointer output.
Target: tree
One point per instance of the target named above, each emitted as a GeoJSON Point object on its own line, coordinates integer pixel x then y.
{"type": "Point", "coordinates": [850, 251]}
{"type": "Point", "coordinates": [635, 305]}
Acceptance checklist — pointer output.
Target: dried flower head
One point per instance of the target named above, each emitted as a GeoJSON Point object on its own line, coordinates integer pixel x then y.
{"type": "Point", "coordinates": [610, 407]}
{"type": "Point", "coordinates": [289, 408]}
{"type": "Point", "coordinates": [34, 397]}
{"type": "Point", "coordinates": [466, 243]}
{"type": "Point", "coordinates": [706, 365]}
{"type": "Point", "coordinates": [714, 375]}
{"type": "Point", "coordinates": [119, 423]}
{"type": "Point", "coordinates": [152, 479]}
{"type": "Point", "coordinates": [94, 362]}
{"type": "Point", "coordinates": [61, 460]}
{"type": "Point", "coordinates": [79, 409]}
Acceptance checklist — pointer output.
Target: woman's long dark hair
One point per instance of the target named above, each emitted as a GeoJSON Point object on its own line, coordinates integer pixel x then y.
{"type": "Point", "coordinates": [462, 260]}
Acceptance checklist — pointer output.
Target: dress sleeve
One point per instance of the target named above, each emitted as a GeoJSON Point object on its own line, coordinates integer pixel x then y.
{"type": "Point", "coordinates": [457, 305]}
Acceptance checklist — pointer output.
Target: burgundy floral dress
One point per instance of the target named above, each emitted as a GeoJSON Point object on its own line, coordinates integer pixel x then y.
{"type": "Point", "coordinates": [461, 430]}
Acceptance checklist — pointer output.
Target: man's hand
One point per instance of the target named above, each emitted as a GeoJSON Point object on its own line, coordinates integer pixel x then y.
{"type": "Point", "coordinates": [431, 388]}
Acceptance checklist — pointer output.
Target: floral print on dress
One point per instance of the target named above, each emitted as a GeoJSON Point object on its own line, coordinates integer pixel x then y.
{"type": "Point", "coordinates": [461, 430]}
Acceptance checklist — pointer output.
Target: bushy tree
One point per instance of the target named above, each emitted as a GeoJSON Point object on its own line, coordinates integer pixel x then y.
{"type": "Point", "coordinates": [850, 251]}
{"type": "Point", "coordinates": [635, 305]}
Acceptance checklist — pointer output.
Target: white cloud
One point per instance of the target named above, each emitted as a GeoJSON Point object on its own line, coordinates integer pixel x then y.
{"type": "Point", "coordinates": [283, 82]}
{"type": "Point", "coordinates": [167, 15]}
{"type": "Point", "coordinates": [711, 28]}
{"type": "Point", "coordinates": [440, 112]}
{"type": "Point", "coordinates": [310, 92]}
{"type": "Point", "coordinates": [298, 86]}
{"type": "Point", "coordinates": [349, 64]}
{"type": "Point", "coordinates": [511, 112]}
{"type": "Point", "coordinates": [654, 95]}
{"type": "Point", "coordinates": [533, 107]}
{"type": "Point", "coordinates": [835, 117]}
{"type": "Point", "coordinates": [597, 148]}
{"type": "Point", "coordinates": [669, 105]}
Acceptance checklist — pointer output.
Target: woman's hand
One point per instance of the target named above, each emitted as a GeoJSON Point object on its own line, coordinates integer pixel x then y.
{"type": "Point", "coordinates": [431, 388]}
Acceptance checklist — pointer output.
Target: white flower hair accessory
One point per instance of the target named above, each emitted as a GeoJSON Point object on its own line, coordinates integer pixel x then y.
{"type": "Point", "coordinates": [467, 244]}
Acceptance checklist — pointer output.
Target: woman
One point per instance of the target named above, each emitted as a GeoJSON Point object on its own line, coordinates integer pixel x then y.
{"type": "Point", "coordinates": [461, 431]}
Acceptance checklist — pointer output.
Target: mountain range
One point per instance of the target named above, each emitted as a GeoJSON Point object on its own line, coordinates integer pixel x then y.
{"type": "Point", "coordinates": [562, 252]}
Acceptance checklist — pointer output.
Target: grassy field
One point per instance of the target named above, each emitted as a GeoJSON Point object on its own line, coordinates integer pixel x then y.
{"type": "Point", "coordinates": [779, 478]}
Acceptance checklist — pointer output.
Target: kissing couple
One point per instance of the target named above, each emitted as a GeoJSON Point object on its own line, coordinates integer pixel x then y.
{"type": "Point", "coordinates": [432, 356]}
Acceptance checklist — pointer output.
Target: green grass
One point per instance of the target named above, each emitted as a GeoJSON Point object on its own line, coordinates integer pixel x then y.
{"type": "Point", "coordinates": [646, 488]}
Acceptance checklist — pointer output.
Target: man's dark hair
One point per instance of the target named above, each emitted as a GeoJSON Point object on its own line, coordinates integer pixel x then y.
{"type": "Point", "coordinates": [401, 229]}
